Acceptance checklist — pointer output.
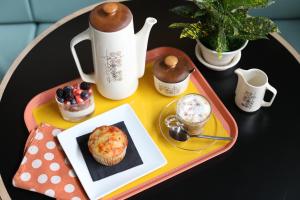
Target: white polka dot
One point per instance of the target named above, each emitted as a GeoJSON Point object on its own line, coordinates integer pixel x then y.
{"type": "Point", "coordinates": [24, 160]}
{"type": "Point", "coordinates": [50, 145]}
{"type": "Point", "coordinates": [42, 178]}
{"type": "Point", "coordinates": [50, 193]}
{"type": "Point", "coordinates": [55, 132]}
{"type": "Point", "coordinates": [25, 176]}
{"type": "Point", "coordinates": [55, 179]}
{"type": "Point", "coordinates": [69, 188]}
{"type": "Point", "coordinates": [72, 173]}
{"type": "Point", "coordinates": [54, 166]}
{"type": "Point", "coordinates": [33, 149]}
{"type": "Point", "coordinates": [39, 135]}
{"type": "Point", "coordinates": [36, 163]}
{"type": "Point", "coordinates": [32, 189]}
{"type": "Point", "coordinates": [75, 198]}
{"type": "Point", "coordinates": [48, 156]}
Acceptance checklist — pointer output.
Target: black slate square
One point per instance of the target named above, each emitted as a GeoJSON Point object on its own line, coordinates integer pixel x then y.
{"type": "Point", "coordinates": [99, 171]}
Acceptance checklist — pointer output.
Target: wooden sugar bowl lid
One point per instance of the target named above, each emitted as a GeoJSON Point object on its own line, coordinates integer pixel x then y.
{"type": "Point", "coordinates": [171, 75]}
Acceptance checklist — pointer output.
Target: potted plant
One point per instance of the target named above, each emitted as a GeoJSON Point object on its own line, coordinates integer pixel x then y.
{"type": "Point", "coordinates": [222, 28]}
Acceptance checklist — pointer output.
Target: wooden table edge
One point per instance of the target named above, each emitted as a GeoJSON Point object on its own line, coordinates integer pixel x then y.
{"type": "Point", "coordinates": [3, 192]}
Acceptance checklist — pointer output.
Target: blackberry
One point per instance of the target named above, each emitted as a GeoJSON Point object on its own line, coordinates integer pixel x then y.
{"type": "Point", "coordinates": [85, 86]}
{"type": "Point", "coordinates": [60, 93]}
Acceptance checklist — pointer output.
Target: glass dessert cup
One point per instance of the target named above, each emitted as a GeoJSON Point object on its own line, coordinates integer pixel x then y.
{"type": "Point", "coordinates": [77, 112]}
{"type": "Point", "coordinates": [192, 113]}
{"type": "Point", "coordinates": [190, 128]}
{"type": "Point", "coordinates": [208, 127]}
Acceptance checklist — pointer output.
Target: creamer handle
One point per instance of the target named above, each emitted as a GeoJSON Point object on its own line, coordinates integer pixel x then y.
{"type": "Point", "coordinates": [274, 91]}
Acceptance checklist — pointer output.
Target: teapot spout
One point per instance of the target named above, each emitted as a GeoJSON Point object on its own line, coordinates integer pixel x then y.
{"type": "Point", "coordinates": [141, 39]}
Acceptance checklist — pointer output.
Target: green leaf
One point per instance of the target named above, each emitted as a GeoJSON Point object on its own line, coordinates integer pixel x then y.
{"type": "Point", "coordinates": [233, 21]}
{"type": "Point", "coordinates": [256, 28]}
{"type": "Point", "coordinates": [184, 11]}
{"type": "Point", "coordinates": [193, 31]}
{"type": "Point", "coordinates": [207, 6]}
{"type": "Point", "coordinates": [221, 43]}
{"type": "Point", "coordinates": [237, 15]}
{"type": "Point", "coordinates": [205, 1]}
{"type": "Point", "coordinates": [199, 13]}
{"type": "Point", "coordinates": [245, 4]}
{"type": "Point", "coordinates": [179, 25]}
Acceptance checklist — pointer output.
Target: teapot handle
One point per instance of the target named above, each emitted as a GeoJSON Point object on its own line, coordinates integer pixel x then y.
{"type": "Point", "coordinates": [77, 39]}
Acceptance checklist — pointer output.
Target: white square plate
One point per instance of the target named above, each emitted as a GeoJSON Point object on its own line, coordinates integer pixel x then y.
{"type": "Point", "coordinates": [149, 152]}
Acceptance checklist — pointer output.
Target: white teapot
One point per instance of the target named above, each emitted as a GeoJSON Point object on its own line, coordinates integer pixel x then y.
{"type": "Point", "coordinates": [118, 54]}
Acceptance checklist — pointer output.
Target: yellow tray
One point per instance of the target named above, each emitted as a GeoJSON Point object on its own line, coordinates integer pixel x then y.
{"type": "Point", "coordinates": [148, 103]}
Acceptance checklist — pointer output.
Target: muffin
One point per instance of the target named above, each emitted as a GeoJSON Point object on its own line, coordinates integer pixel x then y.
{"type": "Point", "coordinates": [108, 145]}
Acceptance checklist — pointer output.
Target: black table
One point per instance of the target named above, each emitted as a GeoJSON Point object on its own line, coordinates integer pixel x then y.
{"type": "Point", "coordinates": [263, 164]}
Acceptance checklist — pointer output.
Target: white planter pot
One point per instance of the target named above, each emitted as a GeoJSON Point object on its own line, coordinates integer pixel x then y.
{"type": "Point", "coordinates": [211, 56]}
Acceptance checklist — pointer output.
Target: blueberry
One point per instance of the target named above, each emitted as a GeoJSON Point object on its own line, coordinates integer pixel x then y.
{"type": "Point", "coordinates": [73, 101]}
{"type": "Point", "coordinates": [85, 86]}
{"type": "Point", "coordinates": [84, 95]}
{"type": "Point", "coordinates": [60, 93]}
{"type": "Point", "coordinates": [67, 89]}
{"type": "Point", "coordinates": [61, 100]}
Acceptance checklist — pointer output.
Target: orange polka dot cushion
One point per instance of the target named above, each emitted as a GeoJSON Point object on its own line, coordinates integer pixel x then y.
{"type": "Point", "coordinates": [45, 168]}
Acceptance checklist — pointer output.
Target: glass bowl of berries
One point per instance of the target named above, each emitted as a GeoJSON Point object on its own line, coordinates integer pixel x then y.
{"type": "Point", "coordinates": [75, 102]}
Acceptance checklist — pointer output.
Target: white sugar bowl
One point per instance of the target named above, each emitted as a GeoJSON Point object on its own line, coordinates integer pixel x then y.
{"type": "Point", "coordinates": [171, 75]}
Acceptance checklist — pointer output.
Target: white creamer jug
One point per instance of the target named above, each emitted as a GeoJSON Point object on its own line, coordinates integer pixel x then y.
{"type": "Point", "coordinates": [118, 54]}
{"type": "Point", "coordinates": [250, 91]}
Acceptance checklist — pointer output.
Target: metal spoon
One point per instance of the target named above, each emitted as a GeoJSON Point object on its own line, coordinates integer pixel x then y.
{"type": "Point", "coordinates": [179, 134]}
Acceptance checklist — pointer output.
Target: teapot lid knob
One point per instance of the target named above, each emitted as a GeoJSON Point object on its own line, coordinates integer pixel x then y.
{"type": "Point", "coordinates": [110, 8]}
{"type": "Point", "coordinates": [171, 61]}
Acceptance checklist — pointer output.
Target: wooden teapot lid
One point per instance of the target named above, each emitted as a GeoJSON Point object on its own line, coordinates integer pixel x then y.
{"type": "Point", "coordinates": [171, 69]}
{"type": "Point", "coordinates": [110, 17]}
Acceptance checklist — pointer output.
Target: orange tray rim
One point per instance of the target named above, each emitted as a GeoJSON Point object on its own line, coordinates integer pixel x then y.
{"type": "Point", "coordinates": [44, 97]}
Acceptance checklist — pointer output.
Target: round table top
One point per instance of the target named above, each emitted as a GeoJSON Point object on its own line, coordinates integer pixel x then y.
{"type": "Point", "coordinates": [263, 164]}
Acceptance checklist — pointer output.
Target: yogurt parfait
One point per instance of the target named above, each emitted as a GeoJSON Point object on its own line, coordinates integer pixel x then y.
{"type": "Point", "coordinates": [75, 102]}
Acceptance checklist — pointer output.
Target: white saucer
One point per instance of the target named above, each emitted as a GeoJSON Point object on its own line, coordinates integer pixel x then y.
{"type": "Point", "coordinates": [234, 61]}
